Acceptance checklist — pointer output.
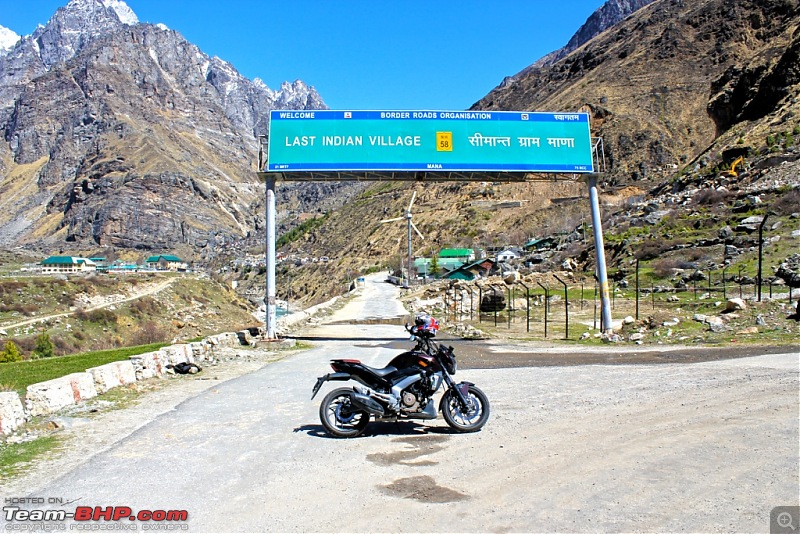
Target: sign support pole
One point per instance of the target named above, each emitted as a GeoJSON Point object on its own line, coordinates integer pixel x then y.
{"type": "Point", "coordinates": [409, 249]}
{"type": "Point", "coordinates": [270, 301]}
{"type": "Point", "coordinates": [605, 301]}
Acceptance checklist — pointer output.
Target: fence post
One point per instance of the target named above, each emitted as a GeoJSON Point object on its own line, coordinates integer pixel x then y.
{"type": "Point", "coordinates": [710, 273]}
{"type": "Point", "coordinates": [637, 289]}
{"type": "Point", "coordinates": [510, 305]}
{"type": "Point", "coordinates": [527, 306]}
{"type": "Point", "coordinates": [724, 286]}
{"type": "Point", "coordinates": [595, 303]}
{"type": "Point", "coordinates": [494, 290]}
{"type": "Point", "coordinates": [480, 301]}
{"type": "Point", "coordinates": [471, 303]}
{"type": "Point", "coordinates": [547, 306]}
{"type": "Point", "coordinates": [566, 306]}
{"type": "Point", "coordinates": [741, 268]}
{"type": "Point", "coordinates": [582, 284]}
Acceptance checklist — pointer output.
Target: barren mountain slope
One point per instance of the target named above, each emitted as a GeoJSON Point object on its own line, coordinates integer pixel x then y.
{"type": "Point", "coordinates": [665, 82]}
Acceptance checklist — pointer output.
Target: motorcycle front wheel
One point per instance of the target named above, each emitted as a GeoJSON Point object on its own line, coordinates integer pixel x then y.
{"type": "Point", "coordinates": [469, 419]}
{"type": "Point", "coordinates": [339, 417]}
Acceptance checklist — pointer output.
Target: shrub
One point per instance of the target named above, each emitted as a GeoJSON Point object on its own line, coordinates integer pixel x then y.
{"type": "Point", "coordinates": [10, 353]}
{"type": "Point", "coordinates": [65, 345]}
{"type": "Point", "coordinates": [25, 309]}
{"type": "Point", "coordinates": [44, 347]}
{"type": "Point", "coordinates": [148, 333]}
{"type": "Point", "coordinates": [101, 316]}
{"type": "Point", "coordinates": [665, 267]}
{"type": "Point", "coordinates": [788, 202]}
{"type": "Point", "coordinates": [25, 344]}
{"type": "Point", "coordinates": [651, 249]}
{"type": "Point", "coordinates": [144, 306]}
{"type": "Point", "coordinates": [10, 287]}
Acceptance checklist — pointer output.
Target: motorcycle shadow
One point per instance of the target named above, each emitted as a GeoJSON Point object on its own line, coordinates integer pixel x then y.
{"type": "Point", "coordinates": [400, 428]}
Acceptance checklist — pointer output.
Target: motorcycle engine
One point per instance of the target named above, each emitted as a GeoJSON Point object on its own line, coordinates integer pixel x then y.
{"type": "Point", "coordinates": [416, 397]}
{"type": "Point", "coordinates": [410, 401]}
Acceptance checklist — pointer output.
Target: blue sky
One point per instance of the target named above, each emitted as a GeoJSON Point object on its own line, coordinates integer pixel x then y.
{"type": "Point", "coordinates": [360, 54]}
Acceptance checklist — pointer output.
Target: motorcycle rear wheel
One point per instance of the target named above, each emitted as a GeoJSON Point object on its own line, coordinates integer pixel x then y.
{"type": "Point", "coordinates": [339, 417]}
{"type": "Point", "coordinates": [471, 419]}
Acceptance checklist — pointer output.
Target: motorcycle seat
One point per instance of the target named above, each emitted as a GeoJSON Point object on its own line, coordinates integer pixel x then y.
{"type": "Point", "coordinates": [381, 372]}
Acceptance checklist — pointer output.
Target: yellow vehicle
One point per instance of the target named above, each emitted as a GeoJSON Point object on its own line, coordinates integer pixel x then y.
{"type": "Point", "coordinates": [732, 172]}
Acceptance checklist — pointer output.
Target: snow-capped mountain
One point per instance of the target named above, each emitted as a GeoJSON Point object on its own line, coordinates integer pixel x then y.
{"type": "Point", "coordinates": [128, 135]}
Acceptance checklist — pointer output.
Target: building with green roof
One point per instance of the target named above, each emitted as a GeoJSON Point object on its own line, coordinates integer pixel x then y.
{"type": "Point", "coordinates": [67, 264]}
{"type": "Point", "coordinates": [463, 255]}
{"type": "Point", "coordinates": [165, 262]}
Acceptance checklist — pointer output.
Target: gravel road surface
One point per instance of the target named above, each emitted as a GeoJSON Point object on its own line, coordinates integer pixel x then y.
{"type": "Point", "coordinates": [708, 446]}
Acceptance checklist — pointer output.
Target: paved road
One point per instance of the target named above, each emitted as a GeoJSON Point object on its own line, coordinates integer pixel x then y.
{"type": "Point", "coordinates": [699, 447]}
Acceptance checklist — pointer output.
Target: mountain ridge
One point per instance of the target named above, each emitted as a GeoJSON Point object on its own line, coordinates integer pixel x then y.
{"type": "Point", "coordinates": [110, 126]}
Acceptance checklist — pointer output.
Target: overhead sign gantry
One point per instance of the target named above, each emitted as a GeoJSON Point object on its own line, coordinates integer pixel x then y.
{"type": "Point", "coordinates": [505, 146]}
{"type": "Point", "coordinates": [412, 141]}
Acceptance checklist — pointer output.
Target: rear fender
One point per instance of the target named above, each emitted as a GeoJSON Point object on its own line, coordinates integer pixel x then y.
{"type": "Point", "coordinates": [330, 376]}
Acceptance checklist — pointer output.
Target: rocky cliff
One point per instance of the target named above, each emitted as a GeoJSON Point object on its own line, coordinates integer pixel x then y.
{"type": "Point", "coordinates": [608, 15]}
{"type": "Point", "coordinates": [663, 84]}
{"type": "Point", "coordinates": [123, 134]}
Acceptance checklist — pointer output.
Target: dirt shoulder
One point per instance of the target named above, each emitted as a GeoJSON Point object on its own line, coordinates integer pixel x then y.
{"type": "Point", "coordinates": [498, 354]}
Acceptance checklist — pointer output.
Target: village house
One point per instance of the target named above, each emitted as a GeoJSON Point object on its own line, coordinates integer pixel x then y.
{"type": "Point", "coordinates": [166, 262]}
{"type": "Point", "coordinates": [507, 255]}
{"type": "Point", "coordinates": [67, 264]}
{"type": "Point", "coordinates": [464, 255]}
{"type": "Point", "coordinates": [470, 271]}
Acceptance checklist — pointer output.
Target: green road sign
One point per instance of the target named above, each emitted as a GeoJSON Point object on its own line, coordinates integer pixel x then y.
{"type": "Point", "coordinates": [315, 140]}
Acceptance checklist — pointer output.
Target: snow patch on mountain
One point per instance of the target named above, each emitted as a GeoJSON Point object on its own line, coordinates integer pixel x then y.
{"type": "Point", "coordinates": [7, 40]}
{"type": "Point", "coordinates": [125, 13]}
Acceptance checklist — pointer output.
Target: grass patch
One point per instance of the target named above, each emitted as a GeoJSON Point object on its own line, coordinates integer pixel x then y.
{"type": "Point", "coordinates": [14, 457]}
{"type": "Point", "coordinates": [19, 375]}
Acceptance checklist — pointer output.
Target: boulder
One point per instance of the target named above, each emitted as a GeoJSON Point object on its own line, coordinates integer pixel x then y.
{"type": "Point", "coordinates": [12, 415]}
{"type": "Point", "coordinates": [748, 330]}
{"type": "Point", "coordinates": [735, 304]}
{"type": "Point", "coordinates": [750, 224]}
{"type": "Point", "coordinates": [493, 301]}
{"type": "Point", "coordinates": [725, 233]}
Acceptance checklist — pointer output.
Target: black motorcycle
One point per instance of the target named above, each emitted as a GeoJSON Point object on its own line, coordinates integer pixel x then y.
{"type": "Point", "coordinates": [402, 390]}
